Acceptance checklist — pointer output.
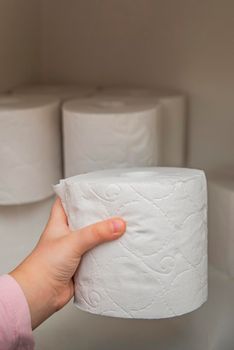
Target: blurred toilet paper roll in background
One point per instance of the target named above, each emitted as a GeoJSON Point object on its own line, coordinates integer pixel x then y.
{"type": "Point", "coordinates": [173, 121]}
{"type": "Point", "coordinates": [61, 91]}
{"type": "Point", "coordinates": [101, 133]}
{"type": "Point", "coordinates": [158, 268]}
{"type": "Point", "coordinates": [30, 148]}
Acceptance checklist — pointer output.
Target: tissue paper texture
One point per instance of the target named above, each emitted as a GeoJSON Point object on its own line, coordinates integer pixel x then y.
{"type": "Point", "coordinates": [104, 133]}
{"type": "Point", "coordinates": [30, 152]}
{"type": "Point", "coordinates": [221, 223]}
{"type": "Point", "coordinates": [158, 268]}
{"type": "Point", "coordinates": [63, 92]}
{"type": "Point", "coordinates": [173, 121]}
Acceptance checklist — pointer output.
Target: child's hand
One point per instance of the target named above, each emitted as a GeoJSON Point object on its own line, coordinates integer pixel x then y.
{"type": "Point", "coordinates": [46, 274]}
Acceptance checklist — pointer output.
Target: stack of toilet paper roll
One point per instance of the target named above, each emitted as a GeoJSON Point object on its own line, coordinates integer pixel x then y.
{"type": "Point", "coordinates": [116, 128]}
{"type": "Point", "coordinates": [30, 152]}
{"type": "Point", "coordinates": [158, 268]}
{"type": "Point", "coordinates": [30, 157]}
{"type": "Point", "coordinates": [119, 128]}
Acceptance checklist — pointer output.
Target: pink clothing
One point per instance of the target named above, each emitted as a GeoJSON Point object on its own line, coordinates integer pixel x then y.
{"type": "Point", "coordinates": [15, 320]}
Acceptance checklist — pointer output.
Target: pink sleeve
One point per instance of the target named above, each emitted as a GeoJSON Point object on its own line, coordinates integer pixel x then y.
{"type": "Point", "coordinates": [15, 320]}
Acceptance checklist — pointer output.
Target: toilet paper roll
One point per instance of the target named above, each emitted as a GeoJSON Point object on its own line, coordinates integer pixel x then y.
{"type": "Point", "coordinates": [63, 92]}
{"type": "Point", "coordinates": [173, 121]}
{"type": "Point", "coordinates": [30, 150]}
{"type": "Point", "coordinates": [158, 268]}
{"type": "Point", "coordinates": [102, 133]}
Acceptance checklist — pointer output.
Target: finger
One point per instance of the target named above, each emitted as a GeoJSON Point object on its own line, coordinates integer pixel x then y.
{"type": "Point", "coordinates": [57, 215]}
{"type": "Point", "coordinates": [93, 235]}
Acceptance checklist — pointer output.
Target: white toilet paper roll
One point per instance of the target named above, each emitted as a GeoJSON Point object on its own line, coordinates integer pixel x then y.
{"type": "Point", "coordinates": [102, 133]}
{"type": "Point", "coordinates": [30, 150]}
{"type": "Point", "coordinates": [158, 268]}
{"type": "Point", "coordinates": [63, 92]}
{"type": "Point", "coordinates": [173, 121]}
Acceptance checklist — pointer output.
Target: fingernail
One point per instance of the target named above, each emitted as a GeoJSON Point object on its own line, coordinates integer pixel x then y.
{"type": "Point", "coordinates": [118, 226]}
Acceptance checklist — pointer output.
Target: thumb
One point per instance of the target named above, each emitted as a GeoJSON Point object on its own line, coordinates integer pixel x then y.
{"type": "Point", "coordinates": [93, 235]}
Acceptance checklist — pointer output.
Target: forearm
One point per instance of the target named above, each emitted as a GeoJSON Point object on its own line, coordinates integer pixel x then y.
{"type": "Point", "coordinates": [40, 297]}
{"type": "Point", "coordinates": [15, 322]}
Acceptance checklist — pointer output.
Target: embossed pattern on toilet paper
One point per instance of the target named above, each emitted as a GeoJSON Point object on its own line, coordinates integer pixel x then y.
{"type": "Point", "coordinates": [159, 267]}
